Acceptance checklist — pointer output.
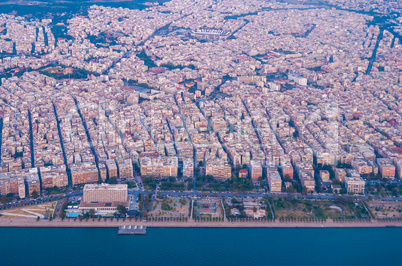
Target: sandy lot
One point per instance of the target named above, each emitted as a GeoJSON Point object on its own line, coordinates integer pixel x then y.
{"type": "Point", "coordinates": [32, 211]}
{"type": "Point", "coordinates": [385, 209]}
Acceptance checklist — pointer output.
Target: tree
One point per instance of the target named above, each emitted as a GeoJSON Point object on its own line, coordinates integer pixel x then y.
{"type": "Point", "coordinates": [182, 201]}
{"type": "Point", "coordinates": [91, 212]}
{"type": "Point", "coordinates": [4, 199]}
{"type": "Point", "coordinates": [113, 180]}
{"type": "Point", "coordinates": [165, 206]}
{"type": "Point", "coordinates": [319, 213]}
{"type": "Point", "coordinates": [35, 194]}
{"type": "Point", "coordinates": [343, 191]}
{"type": "Point", "coordinates": [304, 190]}
{"type": "Point", "coordinates": [318, 186]}
{"type": "Point", "coordinates": [122, 209]}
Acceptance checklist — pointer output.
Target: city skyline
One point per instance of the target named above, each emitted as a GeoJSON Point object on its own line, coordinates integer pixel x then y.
{"type": "Point", "coordinates": [204, 96]}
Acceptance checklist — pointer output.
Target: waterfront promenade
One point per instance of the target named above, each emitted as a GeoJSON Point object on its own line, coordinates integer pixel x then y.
{"type": "Point", "coordinates": [26, 222]}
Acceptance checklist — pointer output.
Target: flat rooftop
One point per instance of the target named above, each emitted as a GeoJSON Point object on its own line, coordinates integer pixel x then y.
{"type": "Point", "coordinates": [105, 186]}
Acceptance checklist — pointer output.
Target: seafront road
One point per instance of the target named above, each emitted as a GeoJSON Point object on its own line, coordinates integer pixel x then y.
{"type": "Point", "coordinates": [29, 222]}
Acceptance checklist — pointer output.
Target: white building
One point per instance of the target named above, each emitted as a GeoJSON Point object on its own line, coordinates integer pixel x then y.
{"type": "Point", "coordinates": [105, 193]}
{"type": "Point", "coordinates": [355, 184]}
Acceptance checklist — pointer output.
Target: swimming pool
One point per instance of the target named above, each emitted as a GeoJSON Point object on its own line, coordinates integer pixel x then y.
{"type": "Point", "coordinates": [72, 215]}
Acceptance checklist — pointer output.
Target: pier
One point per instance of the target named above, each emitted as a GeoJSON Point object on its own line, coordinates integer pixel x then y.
{"type": "Point", "coordinates": [132, 230]}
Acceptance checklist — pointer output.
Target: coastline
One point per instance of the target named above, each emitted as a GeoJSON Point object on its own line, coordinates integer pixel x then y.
{"type": "Point", "coordinates": [21, 222]}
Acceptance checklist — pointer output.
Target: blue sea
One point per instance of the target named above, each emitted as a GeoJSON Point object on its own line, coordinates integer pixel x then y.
{"type": "Point", "coordinates": [201, 246]}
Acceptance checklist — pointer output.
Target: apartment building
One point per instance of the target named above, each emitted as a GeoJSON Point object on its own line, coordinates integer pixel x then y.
{"type": "Point", "coordinates": [340, 174]}
{"type": "Point", "coordinates": [386, 168]}
{"type": "Point", "coordinates": [14, 182]}
{"type": "Point", "coordinates": [243, 173]}
{"type": "Point", "coordinates": [102, 171]}
{"type": "Point", "coordinates": [17, 186]}
{"type": "Point", "coordinates": [188, 168]}
{"type": "Point", "coordinates": [52, 176]}
{"type": "Point", "coordinates": [274, 181]}
{"type": "Point", "coordinates": [307, 180]}
{"type": "Point", "coordinates": [21, 189]}
{"type": "Point", "coordinates": [5, 187]}
{"type": "Point", "coordinates": [112, 168]}
{"type": "Point", "coordinates": [84, 173]}
{"type": "Point", "coordinates": [161, 167]}
{"type": "Point", "coordinates": [125, 168]}
{"type": "Point", "coordinates": [362, 166]}
{"type": "Point", "coordinates": [325, 158]}
{"type": "Point", "coordinates": [398, 166]}
{"type": "Point", "coordinates": [33, 184]}
{"type": "Point", "coordinates": [324, 176]}
{"type": "Point", "coordinates": [54, 179]}
{"type": "Point", "coordinates": [218, 168]}
{"type": "Point", "coordinates": [255, 170]}
{"type": "Point", "coordinates": [304, 166]}
{"type": "Point", "coordinates": [287, 169]}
